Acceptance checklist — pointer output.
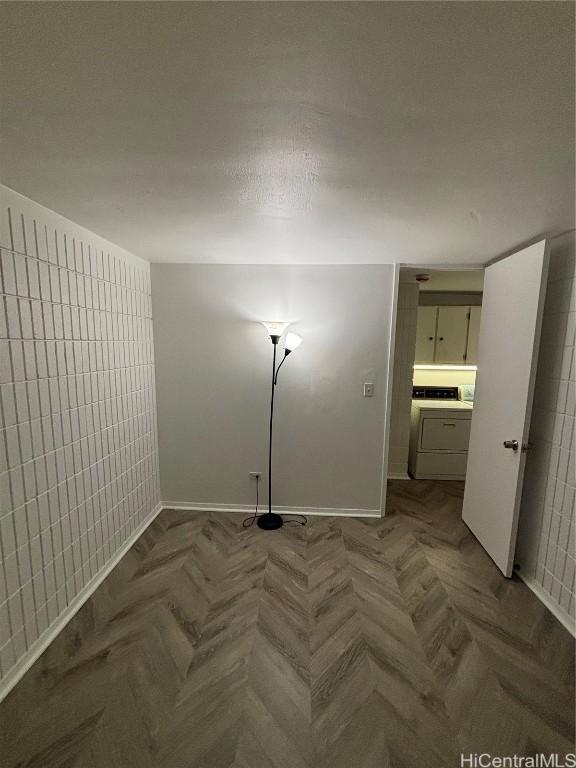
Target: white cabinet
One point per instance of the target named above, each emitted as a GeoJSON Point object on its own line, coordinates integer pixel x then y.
{"type": "Point", "coordinates": [447, 335]}
{"type": "Point", "coordinates": [426, 334]}
{"type": "Point", "coordinates": [451, 335]}
{"type": "Point", "coordinates": [473, 333]}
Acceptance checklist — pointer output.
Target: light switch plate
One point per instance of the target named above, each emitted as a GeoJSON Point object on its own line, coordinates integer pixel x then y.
{"type": "Point", "coordinates": [368, 389]}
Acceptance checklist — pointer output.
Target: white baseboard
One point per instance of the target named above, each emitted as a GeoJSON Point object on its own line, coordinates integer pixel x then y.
{"type": "Point", "coordinates": [563, 617]}
{"type": "Point", "coordinates": [39, 646]}
{"type": "Point", "coordinates": [398, 476]}
{"type": "Point", "coordinates": [246, 509]}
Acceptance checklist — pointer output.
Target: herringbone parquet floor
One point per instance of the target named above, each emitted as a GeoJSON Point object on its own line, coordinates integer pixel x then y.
{"type": "Point", "coordinates": [350, 643]}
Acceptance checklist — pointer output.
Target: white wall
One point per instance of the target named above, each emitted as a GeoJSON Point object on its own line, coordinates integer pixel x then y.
{"type": "Point", "coordinates": [213, 379]}
{"type": "Point", "coordinates": [78, 444]}
{"type": "Point", "coordinates": [449, 281]}
{"type": "Point", "coordinates": [453, 280]}
{"type": "Point", "coordinates": [404, 352]}
{"type": "Point", "coordinates": [547, 530]}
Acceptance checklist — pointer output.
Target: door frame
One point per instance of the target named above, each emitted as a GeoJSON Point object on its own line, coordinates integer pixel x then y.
{"type": "Point", "coordinates": [389, 385]}
{"type": "Point", "coordinates": [391, 348]}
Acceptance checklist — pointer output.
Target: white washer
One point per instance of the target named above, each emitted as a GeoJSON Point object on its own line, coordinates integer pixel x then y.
{"type": "Point", "coordinates": [440, 432]}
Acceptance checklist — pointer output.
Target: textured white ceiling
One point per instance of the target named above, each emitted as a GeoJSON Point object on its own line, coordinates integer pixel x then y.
{"type": "Point", "coordinates": [294, 132]}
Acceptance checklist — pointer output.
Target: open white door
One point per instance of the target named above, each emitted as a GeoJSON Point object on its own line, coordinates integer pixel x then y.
{"type": "Point", "coordinates": [510, 324]}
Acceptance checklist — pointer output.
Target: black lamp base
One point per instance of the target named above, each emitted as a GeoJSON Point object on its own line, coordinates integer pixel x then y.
{"type": "Point", "coordinates": [270, 521]}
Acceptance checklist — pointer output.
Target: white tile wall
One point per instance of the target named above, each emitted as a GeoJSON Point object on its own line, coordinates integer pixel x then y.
{"type": "Point", "coordinates": [78, 443]}
{"type": "Point", "coordinates": [547, 530]}
{"type": "Point", "coordinates": [404, 352]}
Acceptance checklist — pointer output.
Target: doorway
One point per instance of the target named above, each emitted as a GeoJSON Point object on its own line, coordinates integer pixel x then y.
{"type": "Point", "coordinates": [436, 356]}
{"type": "Point", "coordinates": [481, 429]}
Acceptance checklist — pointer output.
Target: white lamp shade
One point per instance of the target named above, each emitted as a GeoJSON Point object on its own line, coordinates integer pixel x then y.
{"type": "Point", "coordinates": [293, 341]}
{"type": "Point", "coordinates": [275, 327]}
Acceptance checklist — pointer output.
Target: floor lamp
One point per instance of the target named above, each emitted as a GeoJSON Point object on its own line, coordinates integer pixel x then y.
{"type": "Point", "coordinates": [270, 521]}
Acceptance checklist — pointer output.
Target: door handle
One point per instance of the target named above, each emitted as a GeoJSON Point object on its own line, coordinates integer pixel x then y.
{"type": "Point", "coordinates": [511, 444]}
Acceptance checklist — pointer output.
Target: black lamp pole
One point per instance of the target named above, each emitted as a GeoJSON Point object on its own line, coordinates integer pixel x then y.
{"type": "Point", "coordinates": [271, 521]}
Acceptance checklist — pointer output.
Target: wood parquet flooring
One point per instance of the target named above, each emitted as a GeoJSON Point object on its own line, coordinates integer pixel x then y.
{"type": "Point", "coordinates": [350, 643]}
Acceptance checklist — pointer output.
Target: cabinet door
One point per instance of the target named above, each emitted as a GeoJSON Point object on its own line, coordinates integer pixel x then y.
{"type": "Point", "coordinates": [451, 335]}
{"type": "Point", "coordinates": [473, 332]}
{"type": "Point", "coordinates": [425, 334]}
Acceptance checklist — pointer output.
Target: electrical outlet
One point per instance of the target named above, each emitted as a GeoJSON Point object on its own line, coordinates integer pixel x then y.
{"type": "Point", "coordinates": [368, 389]}
{"type": "Point", "coordinates": [255, 475]}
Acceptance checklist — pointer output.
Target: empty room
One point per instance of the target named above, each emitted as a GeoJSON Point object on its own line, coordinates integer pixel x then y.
{"type": "Point", "coordinates": [287, 384]}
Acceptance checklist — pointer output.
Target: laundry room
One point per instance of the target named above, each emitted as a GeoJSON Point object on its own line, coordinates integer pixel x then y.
{"type": "Point", "coordinates": [435, 364]}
